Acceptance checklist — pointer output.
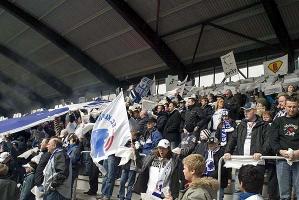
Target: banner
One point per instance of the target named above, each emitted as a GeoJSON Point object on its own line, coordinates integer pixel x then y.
{"type": "Point", "coordinates": [141, 90]}
{"type": "Point", "coordinates": [110, 131]}
{"type": "Point", "coordinates": [171, 82]}
{"type": "Point", "coordinates": [275, 67]}
{"type": "Point", "coordinates": [229, 65]}
{"type": "Point", "coordinates": [181, 86]}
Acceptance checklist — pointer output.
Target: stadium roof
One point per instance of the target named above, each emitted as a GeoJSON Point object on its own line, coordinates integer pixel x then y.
{"type": "Point", "coordinates": [67, 48]}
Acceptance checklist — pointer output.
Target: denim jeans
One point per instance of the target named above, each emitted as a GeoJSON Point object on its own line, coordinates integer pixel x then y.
{"type": "Point", "coordinates": [288, 177]}
{"type": "Point", "coordinates": [126, 176]}
{"type": "Point", "coordinates": [109, 179]}
{"type": "Point", "coordinates": [54, 195]}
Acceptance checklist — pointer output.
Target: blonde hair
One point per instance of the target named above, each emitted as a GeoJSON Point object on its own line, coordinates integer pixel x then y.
{"type": "Point", "coordinates": [195, 162]}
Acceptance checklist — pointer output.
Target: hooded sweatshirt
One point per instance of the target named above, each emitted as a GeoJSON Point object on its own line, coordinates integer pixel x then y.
{"type": "Point", "coordinates": [202, 188]}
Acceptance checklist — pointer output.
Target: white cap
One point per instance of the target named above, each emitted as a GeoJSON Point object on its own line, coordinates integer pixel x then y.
{"type": "Point", "coordinates": [164, 143]}
{"type": "Point", "coordinates": [4, 155]}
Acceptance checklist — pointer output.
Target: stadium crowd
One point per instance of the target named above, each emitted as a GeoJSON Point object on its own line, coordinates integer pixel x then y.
{"type": "Point", "coordinates": [177, 147]}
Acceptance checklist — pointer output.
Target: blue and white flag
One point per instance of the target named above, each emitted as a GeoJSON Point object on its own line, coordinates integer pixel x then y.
{"type": "Point", "coordinates": [141, 90]}
{"type": "Point", "coordinates": [111, 130]}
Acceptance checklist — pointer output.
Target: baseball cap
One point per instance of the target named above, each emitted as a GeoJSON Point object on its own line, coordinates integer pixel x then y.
{"type": "Point", "coordinates": [163, 143]}
{"type": "Point", "coordinates": [249, 106]}
{"type": "Point", "coordinates": [4, 155]}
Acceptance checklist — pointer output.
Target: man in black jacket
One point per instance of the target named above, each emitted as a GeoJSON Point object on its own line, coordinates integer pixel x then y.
{"type": "Point", "coordinates": [39, 177]}
{"type": "Point", "coordinates": [172, 127]}
{"type": "Point", "coordinates": [195, 117]}
{"type": "Point", "coordinates": [206, 109]}
{"type": "Point", "coordinates": [249, 137]}
{"type": "Point", "coordinates": [230, 103]}
{"type": "Point", "coordinates": [285, 142]}
{"type": "Point", "coordinates": [161, 118]}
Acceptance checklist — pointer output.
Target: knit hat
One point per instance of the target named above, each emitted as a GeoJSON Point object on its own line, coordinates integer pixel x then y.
{"type": "Point", "coordinates": [3, 169]}
{"type": "Point", "coordinates": [205, 133]}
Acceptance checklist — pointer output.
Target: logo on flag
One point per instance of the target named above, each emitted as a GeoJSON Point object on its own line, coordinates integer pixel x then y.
{"type": "Point", "coordinates": [111, 130]}
{"type": "Point", "coordinates": [278, 66]}
{"type": "Point", "coordinates": [275, 66]}
{"type": "Point", "coordinates": [229, 65]}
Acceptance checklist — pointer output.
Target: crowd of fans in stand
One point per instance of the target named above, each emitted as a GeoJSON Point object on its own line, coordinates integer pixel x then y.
{"type": "Point", "coordinates": [177, 147]}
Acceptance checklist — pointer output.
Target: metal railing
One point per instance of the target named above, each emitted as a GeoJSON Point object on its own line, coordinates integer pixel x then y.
{"type": "Point", "coordinates": [241, 158]}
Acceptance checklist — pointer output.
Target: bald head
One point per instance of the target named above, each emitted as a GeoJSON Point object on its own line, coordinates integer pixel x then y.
{"type": "Point", "coordinates": [53, 144]}
{"type": "Point", "coordinates": [143, 114]}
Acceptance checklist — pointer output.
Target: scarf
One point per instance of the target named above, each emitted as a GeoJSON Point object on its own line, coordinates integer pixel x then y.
{"type": "Point", "coordinates": [210, 165]}
{"type": "Point", "coordinates": [226, 125]}
{"type": "Point", "coordinates": [245, 195]}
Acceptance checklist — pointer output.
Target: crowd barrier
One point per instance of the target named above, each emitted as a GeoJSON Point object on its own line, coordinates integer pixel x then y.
{"type": "Point", "coordinates": [242, 158]}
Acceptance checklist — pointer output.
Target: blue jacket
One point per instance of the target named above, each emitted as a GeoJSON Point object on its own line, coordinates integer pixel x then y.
{"type": "Point", "coordinates": [27, 185]}
{"type": "Point", "coordinates": [73, 151]}
{"type": "Point", "coordinates": [151, 141]}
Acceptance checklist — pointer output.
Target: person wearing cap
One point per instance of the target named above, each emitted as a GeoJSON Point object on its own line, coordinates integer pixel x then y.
{"type": "Point", "coordinates": [57, 173]}
{"type": "Point", "coordinates": [7, 159]}
{"type": "Point", "coordinates": [285, 142]}
{"type": "Point", "coordinates": [151, 137]}
{"type": "Point", "coordinates": [212, 155]}
{"type": "Point", "coordinates": [159, 174]}
{"type": "Point", "coordinates": [8, 187]}
{"type": "Point", "coordinates": [28, 182]}
{"type": "Point", "coordinates": [249, 137]}
{"type": "Point", "coordinates": [172, 127]}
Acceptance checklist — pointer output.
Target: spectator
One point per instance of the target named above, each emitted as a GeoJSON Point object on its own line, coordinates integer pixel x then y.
{"type": "Point", "coordinates": [151, 137]}
{"type": "Point", "coordinates": [285, 142]}
{"type": "Point", "coordinates": [291, 90]}
{"type": "Point", "coordinates": [249, 137]}
{"type": "Point", "coordinates": [251, 180]}
{"type": "Point", "coordinates": [159, 172]}
{"type": "Point", "coordinates": [261, 106]}
{"type": "Point", "coordinates": [201, 145]}
{"type": "Point", "coordinates": [206, 110]}
{"type": "Point", "coordinates": [217, 116]}
{"type": "Point", "coordinates": [194, 117]}
{"type": "Point", "coordinates": [28, 182]}
{"type": "Point", "coordinates": [172, 127]}
{"type": "Point", "coordinates": [225, 128]}
{"type": "Point", "coordinates": [57, 173]}
{"type": "Point", "coordinates": [267, 117]}
{"type": "Point", "coordinates": [73, 151]}
{"type": "Point", "coordinates": [44, 158]}
{"type": "Point", "coordinates": [199, 187]}
{"type": "Point", "coordinates": [8, 187]}
{"type": "Point", "coordinates": [141, 127]}
{"type": "Point", "coordinates": [212, 156]}
{"type": "Point", "coordinates": [161, 118]}
{"type": "Point", "coordinates": [280, 109]}
{"type": "Point", "coordinates": [212, 100]}
{"type": "Point", "coordinates": [231, 104]}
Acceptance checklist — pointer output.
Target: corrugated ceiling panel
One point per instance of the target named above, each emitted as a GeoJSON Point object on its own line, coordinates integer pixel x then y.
{"type": "Point", "coordinates": [9, 26]}
{"type": "Point", "coordinates": [38, 7]}
{"type": "Point", "coordinates": [97, 29]}
{"type": "Point", "coordinates": [27, 41]}
{"type": "Point", "coordinates": [71, 12]}
{"type": "Point", "coordinates": [126, 43]}
{"type": "Point", "coordinates": [290, 16]}
{"type": "Point", "coordinates": [80, 79]}
{"type": "Point", "coordinates": [134, 63]}
{"type": "Point", "coordinates": [198, 12]}
{"type": "Point", "coordinates": [44, 90]}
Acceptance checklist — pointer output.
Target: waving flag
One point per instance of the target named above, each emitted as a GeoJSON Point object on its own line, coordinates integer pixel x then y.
{"type": "Point", "coordinates": [111, 130]}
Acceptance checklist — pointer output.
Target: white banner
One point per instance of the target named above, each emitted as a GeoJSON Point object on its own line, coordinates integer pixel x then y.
{"type": "Point", "coordinates": [278, 66]}
{"type": "Point", "coordinates": [272, 89]}
{"type": "Point", "coordinates": [229, 65]}
{"type": "Point", "coordinates": [171, 82]}
{"type": "Point", "coordinates": [111, 130]}
{"type": "Point", "coordinates": [153, 87]}
{"type": "Point", "coordinates": [148, 105]}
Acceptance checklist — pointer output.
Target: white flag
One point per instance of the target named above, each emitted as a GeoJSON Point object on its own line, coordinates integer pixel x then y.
{"type": "Point", "coordinates": [111, 130]}
{"type": "Point", "coordinates": [229, 65]}
{"type": "Point", "coordinates": [171, 82]}
{"type": "Point", "coordinates": [153, 87]}
{"type": "Point", "coordinates": [278, 66]}
{"type": "Point", "coordinates": [181, 86]}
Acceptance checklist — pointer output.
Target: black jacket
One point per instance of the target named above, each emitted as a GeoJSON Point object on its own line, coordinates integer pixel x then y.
{"type": "Point", "coordinates": [161, 121]}
{"type": "Point", "coordinates": [207, 111]}
{"type": "Point", "coordinates": [39, 177]}
{"type": "Point", "coordinates": [231, 104]}
{"type": "Point", "coordinates": [141, 126]}
{"type": "Point", "coordinates": [195, 116]}
{"type": "Point", "coordinates": [258, 138]}
{"type": "Point", "coordinates": [140, 185]}
{"type": "Point", "coordinates": [172, 127]}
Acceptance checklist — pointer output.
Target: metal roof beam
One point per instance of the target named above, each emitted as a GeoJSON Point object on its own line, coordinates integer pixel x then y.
{"type": "Point", "coordinates": [280, 29]}
{"type": "Point", "coordinates": [33, 96]}
{"type": "Point", "coordinates": [150, 36]}
{"type": "Point", "coordinates": [73, 51]}
{"type": "Point", "coordinates": [36, 70]}
{"type": "Point", "coordinates": [210, 19]}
